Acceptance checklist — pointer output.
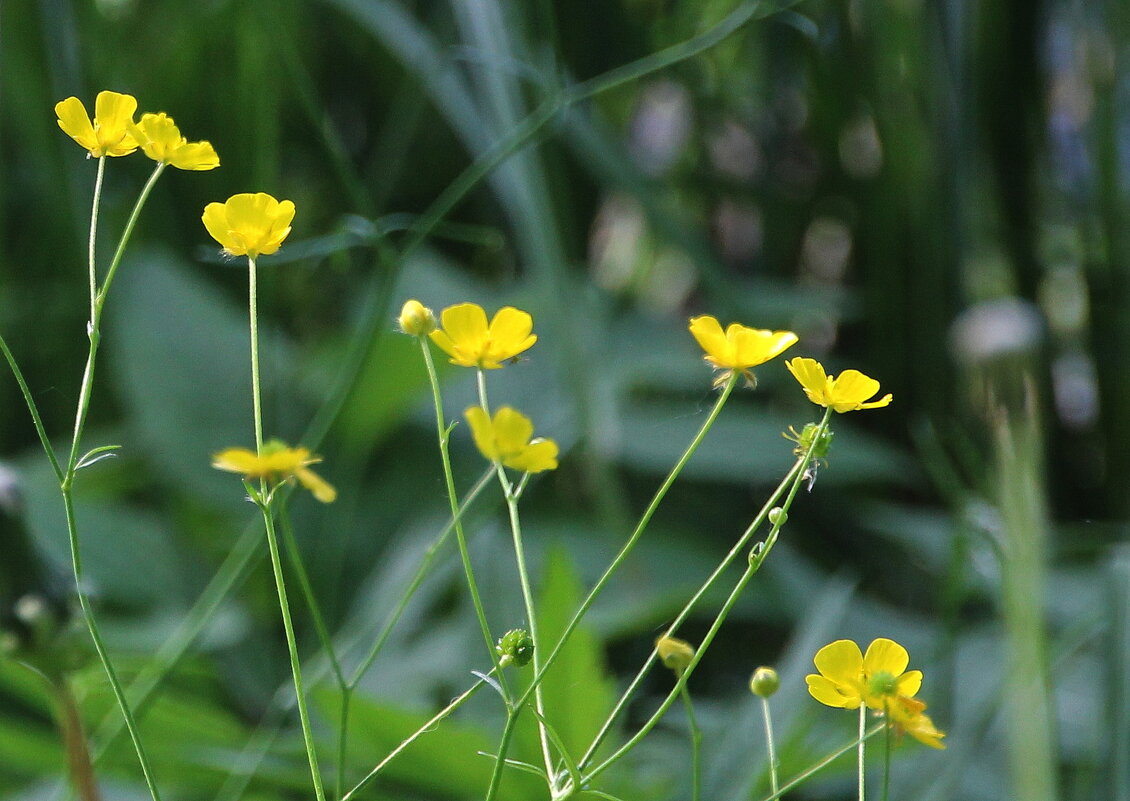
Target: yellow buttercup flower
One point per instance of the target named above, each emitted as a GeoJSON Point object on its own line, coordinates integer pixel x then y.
{"type": "Point", "coordinates": [848, 678]}
{"type": "Point", "coordinates": [906, 715]}
{"type": "Point", "coordinates": [416, 319]}
{"type": "Point", "coordinates": [848, 392]}
{"type": "Point", "coordinates": [249, 224]}
{"type": "Point", "coordinates": [161, 140]}
{"type": "Point", "coordinates": [276, 463]}
{"type": "Point", "coordinates": [674, 653]}
{"type": "Point", "coordinates": [507, 439]}
{"type": "Point", "coordinates": [108, 133]}
{"type": "Point", "coordinates": [738, 347]}
{"type": "Point", "coordinates": [471, 342]}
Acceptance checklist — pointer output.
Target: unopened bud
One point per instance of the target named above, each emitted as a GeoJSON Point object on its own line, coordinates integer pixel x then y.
{"type": "Point", "coordinates": [515, 647]}
{"type": "Point", "coordinates": [674, 653]}
{"type": "Point", "coordinates": [778, 516]}
{"type": "Point", "coordinates": [764, 682]}
{"type": "Point", "coordinates": [416, 319]}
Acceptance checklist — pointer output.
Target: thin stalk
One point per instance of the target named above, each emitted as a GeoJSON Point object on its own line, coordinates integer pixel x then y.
{"type": "Point", "coordinates": [512, 713]}
{"type": "Point", "coordinates": [887, 759]}
{"type": "Point", "coordinates": [127, 232]}
{"type": "Point", "coordinates": [443, 432]}
{"type": "Point", "coordinates": [807, 774]}
{"type": "Point", "coordinates": [436, 718]}
{"type": "Point", "coordinates": [36, 420]}
{"type": "Point", "coordinates": [347, 687]}
{"type": "Point", "coordinates": [859, 760]}
{"type": "Point", "coordinates": [66, 483]}
{"type": "Point", "coordinates": [292, 648]}
{"type": "Point", "coordinates": [773, 781]}
{"type": "Point", "coordinates": [256, 396]}
{"type": "Point", "coordinates": [295, 556]}
{"type": "Point", "coordinates": [342, 740]}
{"type": "Point", "coordinates": [628, 546]}
{"type": "Point", "coordinates": [417, 579]}
{"type": "Point", "coordinates": [734, 552]}
{"type": "Point", "coordinates": [91, 262]}
{"type": "Point", "coordinates": [100, 645]}
{"type": "Point", "coordinates": [793, 481]}
{"type": "Point", "coordinates": [696, 745]}
{"type": "Point", "coordinates": [524, 582]}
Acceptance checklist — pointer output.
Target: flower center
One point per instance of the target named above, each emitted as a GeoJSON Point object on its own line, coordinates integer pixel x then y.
{"type": "Point", "coordinates": [882, 684]}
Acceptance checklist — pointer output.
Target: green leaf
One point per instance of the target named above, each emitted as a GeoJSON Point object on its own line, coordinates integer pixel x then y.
{"type": "Point", "coordinates": [577, 689]}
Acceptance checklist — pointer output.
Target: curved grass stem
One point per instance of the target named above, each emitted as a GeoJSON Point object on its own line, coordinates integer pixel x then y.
{"type": "Point", "coordinates": [789, 487]}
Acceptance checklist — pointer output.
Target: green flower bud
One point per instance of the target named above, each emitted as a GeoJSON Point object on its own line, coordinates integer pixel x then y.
{"type": "Point", "coordinates": [778, 516]}
{"type": "Point", "coordinates": [416, 319]}
{"type": "Point", "coordinates": [515, 647]}
{"type": "Point", "coordinates": [807, 439]}
{"type": "Point", "coordinates": [764, 682]}
{"type": "Point", "coordinates": [674, 653]}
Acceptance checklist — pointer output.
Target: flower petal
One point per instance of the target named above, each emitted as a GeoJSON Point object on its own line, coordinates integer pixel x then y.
{"type": "Point", "coordinates": [482, 429]}
{"type": "Point", "coordinates": [321, 488]}
{"type": "Point", "coordinates": [237, 460]}
{"type": "Point", "coordinates": [840, 661]}
{"type": "Point", "coordinates": [909, 683]}
{"type": "Point", "coordinates": [851, 388]}
{"type": "Point", "coordinates": [811, 376]}
{"type": "Point", "coordinates": [707, 331]}
{"type": "Point", "coordinates": [466, 325]}
{"type": "Point", "coordinates": [885, 656]}
{"type": "Point", "coordinates": [829, 693]}
{"type": "Point", "coordinates": [753, 346]}
{"type": "Point", "coordinates": [510, 332]}
{"type": "Point", "coordinates": [75, 122]}
{"type": "Point", "coordinates": [215, 219]}
{"type": "Point", "coordinates": [512, 431]}
{"type": "Point", "coordinates": [540, 455]}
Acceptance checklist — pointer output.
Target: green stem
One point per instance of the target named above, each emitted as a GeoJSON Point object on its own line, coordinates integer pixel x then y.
{"type": "Point", "coordinates": [696, 745]}
{"type": "Point", "coordinates": [807, 774]}
{"type": "Point", "coordinates": [418, 579]}
{"type": "Point", "coordinates": [859, 760]}
{"type": "Point", "coordinates": [295, 557]}
{"type": "Point", "coordinates": [436, 718]}
{"type": "Point", "coordinates": [527, 592]}
{"type": "Point", "coordinates": [628, 546]}
{"type": "Point", "coordinates": [771, 747]}
{"type": "Point", "coordinates": [66, 482]}
{"type": "Point", "coordinates": [342, 740]}
{"type": "Point", "coordinates": [401, 605]}
{"type": "Point", "coordinates": [887, 758]}
{"type": "Point", "coordinates": [793, 481]}
{"type": "Point", "coordinates": [127, 232]}
{"type": "Point", "coordinates": [100, 645]}
{"type": "Point", "coordinates": [36, 420]}
{"type": "Point", "coordinates": [91, 262]}
{"type": "Point", "coordinates": [512, 713]}
{"type": "Point", "coordinates": [292, 648]}
{"type": "Point", "coordinates": [256, 396]}
{"type": "Point", "coordinates": [443, 433]}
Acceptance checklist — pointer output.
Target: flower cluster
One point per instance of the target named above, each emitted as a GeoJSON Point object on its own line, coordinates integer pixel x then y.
{"type": "Point", "coordinates": [113, 132]}
{"type": "Point", "coordinates": [878, 680]}
{"type": "Point", "coordinates": [469, 340]}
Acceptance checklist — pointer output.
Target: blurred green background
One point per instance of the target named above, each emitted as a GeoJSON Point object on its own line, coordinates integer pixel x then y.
{"type": "Point", "coordinates": [937, 194]}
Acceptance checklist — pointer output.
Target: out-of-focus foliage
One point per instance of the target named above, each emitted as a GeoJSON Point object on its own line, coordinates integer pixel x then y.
{"type": "Point", "coordinates": [936, 194]}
